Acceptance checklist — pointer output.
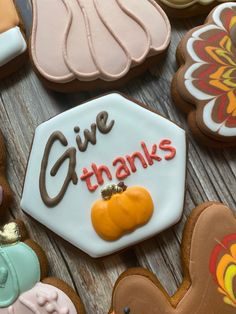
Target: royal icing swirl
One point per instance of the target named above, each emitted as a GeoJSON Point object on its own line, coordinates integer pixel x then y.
{"type": "Point", "coordinates": [95, 39]}
{"type": "Point", "coordinates": [223, 268]}
{"type": "Point", "coordinates": [208, 77]}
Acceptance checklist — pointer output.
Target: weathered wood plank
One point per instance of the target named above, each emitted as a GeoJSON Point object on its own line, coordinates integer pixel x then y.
{"type": "Point", "coordinates": [24, 104]}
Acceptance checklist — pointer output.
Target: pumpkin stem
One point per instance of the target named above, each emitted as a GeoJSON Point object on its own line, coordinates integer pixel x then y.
{"type": "Point", "coordinates": [9, 234]}
{"type": "Point", "coordinates": [112, 189]}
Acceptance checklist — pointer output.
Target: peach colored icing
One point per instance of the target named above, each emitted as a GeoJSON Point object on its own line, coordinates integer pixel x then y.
{"type": "Point", "coordinates": [8, 15]}
{"type": "Point", "coordinates": [43, 299]}
{"type": "Point", "coordinates": [90, 39]}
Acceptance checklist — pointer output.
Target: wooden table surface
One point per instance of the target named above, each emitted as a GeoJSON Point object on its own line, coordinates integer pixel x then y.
{"type": "Point", "coordinates": [24, 104]}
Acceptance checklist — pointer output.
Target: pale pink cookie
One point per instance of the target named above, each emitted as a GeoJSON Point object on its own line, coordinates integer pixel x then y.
{"type": "Point", "coordinates": [94, 43]}
{"type": "Point", "coordinates": [43, 299]}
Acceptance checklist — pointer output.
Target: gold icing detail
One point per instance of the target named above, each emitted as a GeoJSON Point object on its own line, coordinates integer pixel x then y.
{"type": "Point", "coordinates": [112, 189]}
{"type": "Point", "coordinates": [9, 234]}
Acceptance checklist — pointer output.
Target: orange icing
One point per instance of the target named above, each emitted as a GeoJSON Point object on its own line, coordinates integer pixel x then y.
{"type": "Point", "coordinates": [123, 213]}
{"type": "Point", "coordinates": [225, 274]}
{"type": "Point", "coordinates": [8, 15]}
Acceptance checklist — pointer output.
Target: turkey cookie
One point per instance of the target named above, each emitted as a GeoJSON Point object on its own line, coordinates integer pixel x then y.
{"type": "Point", "coordinates": [209, 262]}
{"type": "Point", "coordinates": [23, 286]}
{"type": "Point", "coordinates": [94, 44]}
{"type": "Point", "coordinates": [101, 171]}
{"type": "Point", "coordinates": [187, 8]}
{"type": "Point", "coordinates": [205, 85]}
{"type": "Point", "coordinates": [5, 191]}
{"type": "Point", "coordinates": [12, 42]}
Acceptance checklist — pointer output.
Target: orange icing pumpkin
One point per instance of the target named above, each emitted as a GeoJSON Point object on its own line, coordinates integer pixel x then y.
{"type": "Point", "coordinates": [122, 210]}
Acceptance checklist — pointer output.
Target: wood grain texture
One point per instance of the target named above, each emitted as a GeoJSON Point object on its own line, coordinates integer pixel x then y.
{"type": "Point", "coordinates": [24, 104]}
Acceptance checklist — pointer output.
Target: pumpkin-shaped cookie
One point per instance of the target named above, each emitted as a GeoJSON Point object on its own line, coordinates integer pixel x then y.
{"type": "Point", "coordinates": [121, 210]}
{"type": "Point", "coordinates": [96, 44]}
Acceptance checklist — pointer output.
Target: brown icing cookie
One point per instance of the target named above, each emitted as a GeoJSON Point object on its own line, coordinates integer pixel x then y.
{"type": "Point", "coordinates": [5, 191]}
{"type": "Point", "coordinates": [96, 44]}
{"type": "Point", "coordinates": [209, 264]}
{"type": "Point", "coordinates": [12, 39]}
{"type": "Point", "coordinates": [23, 284]}
{"type": "Point", "coordinates": [204, 86]}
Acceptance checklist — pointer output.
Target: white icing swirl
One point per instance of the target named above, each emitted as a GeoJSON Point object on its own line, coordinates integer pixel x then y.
{"type": "Point", "coordinates": [12, 44]}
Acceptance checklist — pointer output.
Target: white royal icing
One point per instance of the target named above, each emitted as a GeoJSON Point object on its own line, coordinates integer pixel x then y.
{"type": "Point", "coordinates": [220, 128]}
{"type": "Point", "coordinates": [182, 4]}
{"type": "Point", "coordinates": [164, 180]}
{"type": "Point", "coordinates": [12, 44]}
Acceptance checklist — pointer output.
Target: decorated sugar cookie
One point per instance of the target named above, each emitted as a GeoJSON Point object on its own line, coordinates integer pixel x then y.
{"type": "Point", "coordinates": [12, 42]}
{"type": "Point", "coordinates": [94, 44]}
{"type": "Point", "coordinates": [209, 259]}
{"type": "Point", "coordinates": [5, 191]}
{"type": "Point", "coordinates": [23, 286]}
{"type": "Point", "coordinates": [204, 87]}
{"type": "Point", "coordinates": [109, 170]}
{"type": "Point", "coordinates": [186, 8]}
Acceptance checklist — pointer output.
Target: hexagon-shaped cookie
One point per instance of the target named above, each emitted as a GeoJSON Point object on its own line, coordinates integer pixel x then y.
{"type": "Point", "coordinates": [104, 141]}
